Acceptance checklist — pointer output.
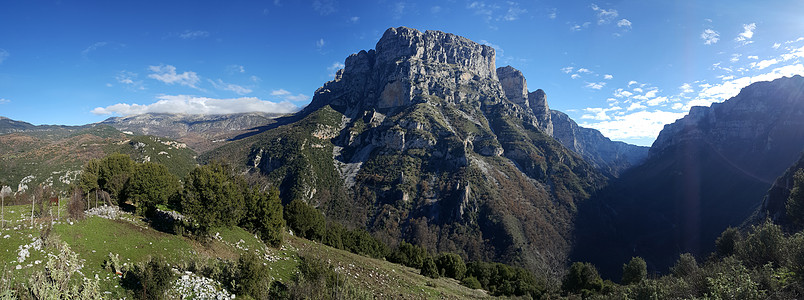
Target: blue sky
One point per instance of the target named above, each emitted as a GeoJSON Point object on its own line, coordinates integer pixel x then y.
{"type": "Point", "coordinates": [623, 67]}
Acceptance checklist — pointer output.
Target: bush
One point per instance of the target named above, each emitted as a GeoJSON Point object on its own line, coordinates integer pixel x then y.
{"type": "Point", "coordinates": [213, 197]}
{"type": "Point", "coordinates": [686, 265]}
{"type": "Point", "coordinates": [728, 242]}
{"type": "Point", "coordinates": [334, 235]}
{"type": "Point", "coordinates": [150, 280]}
{"type": "Point", "coordinates": [795, 203]}
{"type": "Point", "coordinates": [253, 277]}
{"type": "Point", "coordinates": [504, 280]}
{"type": "Point", "coordinates": [264, 215]}
{"type": "Point", "coordinates": [361, 242]}
{"type": "Point", "coordinates": [451, 265]}
{"type": "Point", "coordinates": [582, 278]}
{"type": "Point", "coordinates": [305, 220]}
{"type": "Point", "coordinates": [764, 244]}
{"type": "Point", "coordinates": [151, 184]}
{"type": "Point", "coordinates": [409, 255]}
{"type": "Point", "coordinates": [471, 282]}
{"type": "Point", "coordinates": [634, 271]}
{"type": "Point", "coordinates": [429, 268]}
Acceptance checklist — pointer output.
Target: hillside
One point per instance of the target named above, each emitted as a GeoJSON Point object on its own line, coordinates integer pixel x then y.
{"type": "Point", "coordinates": [705, 172]}
{"type": "Point", "coordinates": [56, 155]}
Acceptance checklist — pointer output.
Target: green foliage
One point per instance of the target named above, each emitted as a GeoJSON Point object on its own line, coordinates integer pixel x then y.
{"type": "Point", "coordinates": [150, 280]}
{"type": "Point", "coordinates": [114, 173]}
{"type": "Point", "coordinates": [471, 282]}
{"type": "Point", "coordinates": [686, 265]}
{"type": "Point", "coordinates": [264, 215]}
{"type": "Point", "coordinates": [504, 280]}
{"type": "Point", "coordinates": [634, 271]}
{"type": "Point", "coordinates": [450, 265]}
{"type": "Point", "coordinates": [429, 268]}
{"type": "Point", "coordinates": [151, 184]}
{"type": "Point", "coordinates": [764, 244]}
{"type": "Point", "coordinates": [305, 220]}
{"type": "Point", "coordinates": [733, 282]}
{"type": "Point", "coordinates": [253, 277]}
{"type": "Point", "coordinates": [728, 242]}
{"type": "Point", "coordinates": [795, 203]}
{"type": "Point", "coordinates": [409, 255]}
{"type": "Point", "coordinates": [318, 280]}
{"type": "Point", "coordinates": [213, 197]}
{"type": "Point", "coordinates": [582, 278]}
{"type": "Point", "coordinates": [55, 281]}
{"type": "Point", "coordinates": [334, 235]}
{"type": "Point", "coordinates": [359, 241]}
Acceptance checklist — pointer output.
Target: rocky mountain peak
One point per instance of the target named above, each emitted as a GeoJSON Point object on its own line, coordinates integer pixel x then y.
{"type": "Point", "coordinates": [514, 85]}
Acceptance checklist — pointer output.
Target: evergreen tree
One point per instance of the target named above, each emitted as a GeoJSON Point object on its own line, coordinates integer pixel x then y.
{"type": "Point", "coordinates": [212, 197]}
{"type": "Point", "coordinates": [795, 203]}
{"type": "Point", "coordinates": [151, 185]}
{"type": "Point", "coordinates": [634, 271]}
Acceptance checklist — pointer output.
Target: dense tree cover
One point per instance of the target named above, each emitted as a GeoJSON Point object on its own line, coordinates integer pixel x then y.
{"type": "Point", "coordinates": [502, 280]}
{"type": "Point", "coordinates": [304, 220]}
{"type": "Point", "coordinates": [151, 184]}
{"type": "Point", "coordinates": [450, 265]}
{"type": "Point", "coordinates": [113, 174]}
{"type": "Point", "coordinates": [264, 215]}
{"type": "Point", "coordinates": [634, 271]}
{"type": "Point", "coordinates": [213, 197]}
{"type": "Point", "coordinates": [583, 279]}
{"type": "Point", "coordinates": [409, 255]}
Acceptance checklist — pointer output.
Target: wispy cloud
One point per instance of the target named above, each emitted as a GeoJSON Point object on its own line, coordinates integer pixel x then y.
{"type": "Point", "coordinates": [624, 23]}
{"type": "Point", "coordinates": [198, 105]}
{"type": "Point", "coordinates": [354, 19]}
{"type": "Point", "coordinates": [167, 74]}
{"type": "Point", "coordinates": [604, 16]}
{"type": "Point", "coordinates": [575, 76]}
{"type": "Point", "coordinates": [639, 125]}
{"type": "Point", "coordinates": [744, 37]}
{"type": "Point", "coordinates": [595, 85]}
{"type": "Point", "coordinates": [320, 43]}
{"type": "Point", "coordinates": [288, 96]}
{"type": "Point", "coordinates": [4, 54]}
{"type": "Point", "coordinates": [4, 101]}
{"type": "Point", "coordinates": [577, 27]}
{"type": "Point", "coordinates": [194, 34]}
{"type": "Point", "coordinates": [93, 47]}
{"type": "Point", "coordinates": [325, 7]}
{"type": "Point", "coordinates": [608, 77]}
{"type": "Point", "coordinates": [710, 36]}
{"type": "Point", "coordinates": [219, 84]}
{"type": "Point", "coordinates": [232, 69]}
{"type": "Point", "coordinates": [514, 11]}
{"type": "Point", "coordinates": [130, 80]}
{"type": "Point", "coordinates": [599, 114]}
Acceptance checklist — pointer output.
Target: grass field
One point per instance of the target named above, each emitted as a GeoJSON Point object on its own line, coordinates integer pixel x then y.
{"type": "Point", "coordinates": [134, 241]}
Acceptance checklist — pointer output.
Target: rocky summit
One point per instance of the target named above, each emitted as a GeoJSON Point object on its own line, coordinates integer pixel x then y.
{"type": "Point", "coordinates": [423, 139]}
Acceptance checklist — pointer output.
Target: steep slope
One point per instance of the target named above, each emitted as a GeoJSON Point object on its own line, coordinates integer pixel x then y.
{"type": "Point", "coordinates": [773, 205]}
{"type": "Point", "coordinates": [706, 171]}
{"type": "Point", "coordinates": [199, 132]}
{"type": "Point", "coordinates": [55, 155]}
{"type": "Point", "coordinates": [416, 140]}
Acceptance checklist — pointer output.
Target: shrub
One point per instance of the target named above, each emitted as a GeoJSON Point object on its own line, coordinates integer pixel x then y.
{"type": "Point", "coordinates": [253, 277]}
{"type": "Point", "coordinates": [451, 265]}
{"type": "Point", "coordinates": [686, 265]}
{"type": "Point", "coordinates": [151, 184]}
{"type": "Point", "coordinates": [471, 282]}
{"type": "Point", "coordinates": [582, 278]}
{"type": "Point", "coordinates": [213, 197]}
{"type": "Point", "coordinates": [409, 255]}
{"type": "Point", "coordinates": [264, 215]}
{"type": "Point", "coordinates": [429, 268]}
{"type": "Point", "coordinates": [764, 244]}
{"type": "Point", "coordinates": [150, 280]}
{"type": "Point", "coordinates": [304, 220]}
{"type": "Point", "coordinates": [795, 203]}
{"type": "Point", "coordinates": [728, 242]}
{"type": "Point", "coordinates": [634, 271]}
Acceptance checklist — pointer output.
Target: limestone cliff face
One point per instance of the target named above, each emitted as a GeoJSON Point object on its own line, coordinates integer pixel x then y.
{"type": "Point", "coordinates": [609, 156]}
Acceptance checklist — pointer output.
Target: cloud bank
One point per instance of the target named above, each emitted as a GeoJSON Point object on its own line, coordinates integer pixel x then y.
{"type": "Point", "coordinates": [185, 104]}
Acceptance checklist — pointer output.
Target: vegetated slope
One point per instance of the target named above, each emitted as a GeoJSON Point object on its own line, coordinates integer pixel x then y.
{"type": "Point", "coordinates": [56, 157]}
{"type": "Point", "coordinates": [707, 171]}
{"type": "Point", "coordinates": [773, 206]}
{"type": "Point", "coordinates": [418, 141]}
{"type": "Point", "coordinates": [199, 132]}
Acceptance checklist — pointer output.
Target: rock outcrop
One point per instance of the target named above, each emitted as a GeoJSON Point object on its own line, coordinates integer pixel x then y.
{"type": "Point", "coordinates": [609, 156]}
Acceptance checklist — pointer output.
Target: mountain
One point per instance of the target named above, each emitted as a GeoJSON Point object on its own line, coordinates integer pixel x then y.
{"type": "Point", "coordinates": [773, 205]}
{"type": "Point", "coordinates": [706, 171]}
{"type": "Point", "coordinates": [419, 140]}
{"type": "Point", "coordinates": [55, 155]}
{"type": "Point", "coordinates": [199, 132]}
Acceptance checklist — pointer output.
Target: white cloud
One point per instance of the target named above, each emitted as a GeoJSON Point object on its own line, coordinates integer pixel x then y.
{"type": "Point", "coordinates": [735, 57]}
{"type": "Point", "coordinates": [754, 57]}
{"type": "Point", "coordinates": [731, 86]}
{"type": "Point", "coordinates": [435, 9]}
{"type": "Point", "coordinates": [334, 68]}
{"type": "Point", "coordinates": [595, 85]}
{"type": "Point", "coordinates": [198, 105]}
{"type": "Point", "coordinates": [641, 124]}
{"type": "Point", "coordinates": [576, 27]}
{"type": "Point", "coordinates": [130, 80]}
{"type": "Point", "coordinates": [624, 23]}
{"type": "Point", "coordinates": [4, 101]}
{"type": "Point", "coordinates": [632, 82]}
{"type": "Point", "coordinates": [567, 69]}
{"type": "Point", "coordinates": [710, 36]}
{"type": "Point", "coordinates": [657, 101]}
{"type": "Point", "coordinates": [776, 45]}
{"type": "Point", "coordinates": [553, 14]}
{"type": "Point", "coordinates": [608, 76]}
{"type": "Point", "coordinates": [764, 63]}
{"type": "Point", "coordinates": [325, 7]}
{"type": "Point", "coordinates": [231, 69]}
{"type": "Point", "coordinates": [288, 96]}
{"type": "Point", "coordinates": [93, 47]}
{"type": "Point", "coordinates": [191, 35]}
{"type": "Point", "coordinates": [584, 70]}
{"type": "Point", "coordinates": [686, 88]}
{"type": "Point", "coordinates": [638, 90]}
{"type": "Point", "coordinates": [635, 106]}
{"type": "Point", "coordinates": [575, 76]}
{"type": "Point", "coordinates": [319, 43]}
{"type": "Point", "coordinates": [621, 93]}
{"type": "Point", "coordinates": [599, 114]}
{"type": "Point", "coordinates": [604, 16]}
{"type": "Point", "coordinates": [354, 19]}
{"type": "Point", "coordinates": [3, 55]}
{"type": "Point", "coordinates": [168, 75]}
{"type": "Point", "coordinates": [240, 90]}
{"type": "Point", "coordinates": [514, 11]}
{"type": "Point", "coordinates": [748, 33]}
